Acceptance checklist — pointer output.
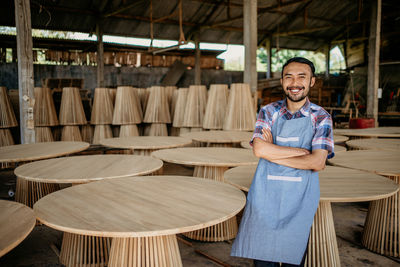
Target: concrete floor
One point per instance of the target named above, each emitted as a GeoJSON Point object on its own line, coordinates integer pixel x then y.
{"type": "Point", "coordinates": [36, 251]}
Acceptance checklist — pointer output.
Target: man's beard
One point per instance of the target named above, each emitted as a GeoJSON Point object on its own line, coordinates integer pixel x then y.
{"type": "Point", "coordinates": [287, 92]}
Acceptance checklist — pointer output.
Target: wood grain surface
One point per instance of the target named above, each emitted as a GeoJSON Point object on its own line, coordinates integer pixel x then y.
{"type": "Point", "coordinates": [83, 169]}
{"type": "Point", "coordinates": [36, 151]}
{"type": "Point", "coordinates": [140, 206]}
{"type": "Point", "coordinates": [339, 149]}
{"type": "Point", "coordinates": [219, 136]}
{"type": "Point", "coordinates": [337, 184]}
{"type": "Point", "coordinates": [207, 156]}
{"type": "Point", "coordinates": [146, 142]}
{"type": "Point", "coordinates": [393, 132]}
{"type": "Point", "coordinates": [16, 222]}
{"type": "Point", "coordinates": [378, 161]}
{"type": "Point", "coordinates": [375, 144]}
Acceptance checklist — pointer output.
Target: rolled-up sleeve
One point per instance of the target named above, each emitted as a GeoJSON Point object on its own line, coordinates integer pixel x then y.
{"type": "Point", "coordinates": [323, 138]}
{"type": "Point", "coordinates": [263, 121]}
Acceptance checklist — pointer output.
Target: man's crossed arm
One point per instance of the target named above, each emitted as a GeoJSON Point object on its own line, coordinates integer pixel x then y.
{"type": "Point", "coordinates": [298, 158]}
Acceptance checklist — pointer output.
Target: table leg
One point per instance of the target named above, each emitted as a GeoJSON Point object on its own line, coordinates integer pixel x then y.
{"type": "Point", "coordinates": [381, 229]}
{"type": "Point", "coordinates": [145, 251]}
{"type": "Point", "coordinates": [222, 231]}
{"type": "Point", "coordinates": [84, 251]}
{"type": "Point", "coordinates": [322, 246]}
{"type": "Point", "coordinates": [28, 192]}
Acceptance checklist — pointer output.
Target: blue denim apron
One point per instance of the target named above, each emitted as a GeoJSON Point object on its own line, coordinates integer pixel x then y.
{"type": "Point", "coordinates": [281, 202]}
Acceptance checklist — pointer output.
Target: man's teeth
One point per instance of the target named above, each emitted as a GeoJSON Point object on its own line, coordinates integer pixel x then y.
{"type": "Point", "coordinates": [294, 90]}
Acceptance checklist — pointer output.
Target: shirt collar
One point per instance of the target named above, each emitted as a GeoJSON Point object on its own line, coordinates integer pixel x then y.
{"type": "Point", "coordinates": [305, 109]}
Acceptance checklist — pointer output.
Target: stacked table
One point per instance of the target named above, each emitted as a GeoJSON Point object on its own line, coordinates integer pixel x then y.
{"type": "Point", "coordinates": [336, 185]}
{"type": "Point", "coordinates": [141, 214]}
{"type": "Point", "coordinates": [381, 231]}
{"type": "Point", "coordinates": [380, 132]}
{"type": "Point", "coordinates": [16, 222]}
{"type": "Point", "coordinates": [211, 163]}
{"type": "Point", "coordinates": [375, 144]}
{"type": "Point", "coordinates": [144, 145]}
{"type": "Point", "coordinates": [219, 138]}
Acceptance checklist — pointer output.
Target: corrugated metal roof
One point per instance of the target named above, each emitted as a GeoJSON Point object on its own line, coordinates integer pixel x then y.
{"type": "Point", "coordinates": [297, 24]}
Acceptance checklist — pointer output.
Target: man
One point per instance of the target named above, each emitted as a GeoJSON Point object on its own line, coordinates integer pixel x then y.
{"type": "Point", "coordinates": [292, 138]}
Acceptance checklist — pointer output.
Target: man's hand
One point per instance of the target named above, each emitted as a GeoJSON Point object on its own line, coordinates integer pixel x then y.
{"type": "Point", "coordinates": [267, 135]}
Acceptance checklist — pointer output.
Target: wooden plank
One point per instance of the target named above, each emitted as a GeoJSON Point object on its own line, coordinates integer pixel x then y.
{"type": "Point", "coordinates": [25, 69]}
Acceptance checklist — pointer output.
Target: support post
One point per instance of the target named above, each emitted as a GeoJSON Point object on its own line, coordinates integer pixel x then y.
{"type": "Point", "coordinates": [250, 43]}
{"type": "Point", "coordinates": [197, 69]}
{"type": "Point", "coordinates": [327, 60]}
{"type": "Point", "coordinates": [268, 48]}
{"type": "Point", "coordinates": [25, 70]}
{"type": "Point", "coordinates": [373, 60]}
{"type": "Point", "coordinates": [100, 54]}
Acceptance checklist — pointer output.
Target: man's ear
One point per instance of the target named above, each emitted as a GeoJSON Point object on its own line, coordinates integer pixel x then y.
{"type": "Point", "coordinates": [312, 81]}
{"type": "Point", "coordinates": [281, 82]}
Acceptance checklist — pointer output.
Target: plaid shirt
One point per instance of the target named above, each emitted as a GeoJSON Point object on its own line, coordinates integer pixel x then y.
{"type": "Point", "coordinates": [322, 121]}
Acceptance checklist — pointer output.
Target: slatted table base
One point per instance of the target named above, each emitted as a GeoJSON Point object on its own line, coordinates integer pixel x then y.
{"type": "Point", "coordinates": [381, 229]}
{"type": "Point", "coordinates": [145, 251]}
{"type": "Point", "coordinates": [84, 251]}
{"type": "Point", "coordinates": [222, 231]}
{"type": "Point", "coordinates": [322, 246]}
{"type": "Point", "coordinates": [29, 192]}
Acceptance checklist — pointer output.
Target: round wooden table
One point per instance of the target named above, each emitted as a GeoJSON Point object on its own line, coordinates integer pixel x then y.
{"type": "Point", "coordinates": [141, 214]}
{"type": "Point", "coordinates": [37, 151]}
{"type": "Point", "coordinates": [219, 138]}
{"type": "Point", "coordinates": [16, 222]}
{"type": "Point", "coordinates": [339, 138]}
{"type": "Point", "coordinates": [211, 163]}
{"type": "Point", "coordinates": [144, 145]}
{"type": "Point", "coordinates": [337, 185]}
{"type": "Point", "coordinates": [387, 132]}
{"type": "Point", "coordinates": [382, 227]}
{"type": "Point", "coordinates": [40, 178]}
{"type": "Point", "coordinates": [374, 144]}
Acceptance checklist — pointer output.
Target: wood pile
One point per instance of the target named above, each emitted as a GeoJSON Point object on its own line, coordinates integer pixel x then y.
{"type": "Point", "coordinates": [7, 118]}
{"type": "Point", "coordinates": [71, 114]}
{"type": "Point", "coordinates": [216, 107]}
{"type": "Point", "coordinates": [240, 114]}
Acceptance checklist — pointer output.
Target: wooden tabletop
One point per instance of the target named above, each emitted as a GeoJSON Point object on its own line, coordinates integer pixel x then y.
{"type": "Point", "coordinates": [146, 142]}
{"type": "Point", "coordinates": [219, 136]}
{"type": "Point", "coordinates": [207, 156]}
{"type": "Point", "coordinates": [339, 149]}
{"type": "Point", "coordinates": [246, 144]}
{"type": "Point", "coordinates": [83, 169]}
{"type": "Point", "coordinates": [36, 151]}
{"type": "Point", "coordinates": [340, 138]}
{"type": "Point", "coordinates": [379, 161]}
{"type": "Point", "coordinates": [140, 206]}
{"type": "Point", "coordinates": [375, 143]}
{"type": "Point", "coordinates": [336, 184]}
{"type": "Point", "coordinates": [393, 132]}
{"type": "Point", "coordinates": [16, 222]}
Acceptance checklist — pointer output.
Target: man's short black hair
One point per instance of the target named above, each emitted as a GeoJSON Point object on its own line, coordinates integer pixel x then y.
{"type": "Point", "coordinates": [300, 60]}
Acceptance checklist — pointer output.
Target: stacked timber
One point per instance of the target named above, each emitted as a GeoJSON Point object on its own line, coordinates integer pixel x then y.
{"type": "Point", "coordinates": [216, 107]}
{"type": "Point", "coordinates": [195, 108]}
{"type": "Point", "coordinates": [157, 112]}
{"type": "Point", "coordinates": [7, 118]}
{"type": "Point", "coordinates": [179, 112]}
{"type": "Point", "coordinates": [102, 114]}
{"type": "Point", "coordinates": [128, 111]}
{"type": "Point", "coordinates": [240, 114]}
{"type": "Point", "coordinates": [71, 114]}
{"type": "Point", "coordinates": [45, 115]}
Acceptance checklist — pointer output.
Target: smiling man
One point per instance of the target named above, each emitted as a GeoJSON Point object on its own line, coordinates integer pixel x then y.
{"type": "Point", "coordinates": [293, 137]}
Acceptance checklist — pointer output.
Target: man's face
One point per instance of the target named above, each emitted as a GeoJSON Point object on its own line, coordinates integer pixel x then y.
{"type": "Point", "coordinates": [296, 81]}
